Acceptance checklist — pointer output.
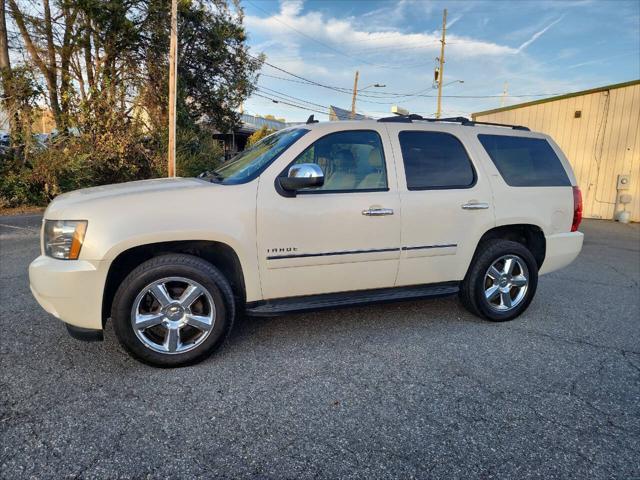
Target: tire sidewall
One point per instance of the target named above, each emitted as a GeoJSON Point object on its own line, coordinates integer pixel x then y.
{"type": "Point", "coordinates": [133, 285]}
{"type": "Point", "coordinates": [485, 260]}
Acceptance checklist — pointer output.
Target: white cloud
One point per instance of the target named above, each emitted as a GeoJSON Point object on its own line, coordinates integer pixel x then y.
{"type": "Point", "coordinates": [343, 36]}
{"type": "Point", "coordinates": [384, 52]}
{"type": "Point", "coordinates": [291, 7]}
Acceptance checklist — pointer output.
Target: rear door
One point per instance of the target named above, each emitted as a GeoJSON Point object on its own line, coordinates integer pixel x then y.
{"type": "Point", "coordinates": [343, 236]}
{"type": "Point", "coordinates": [447, 202]}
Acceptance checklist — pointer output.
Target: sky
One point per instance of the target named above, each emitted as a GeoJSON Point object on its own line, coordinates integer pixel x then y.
{"type": "Point", "coordinates": [540, 49]}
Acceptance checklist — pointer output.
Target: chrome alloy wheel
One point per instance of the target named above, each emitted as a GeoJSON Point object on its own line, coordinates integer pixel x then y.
{"type": "Point", "coordinates": [173, 315]}
{"type": "Point", "coordinates": [506, 283]}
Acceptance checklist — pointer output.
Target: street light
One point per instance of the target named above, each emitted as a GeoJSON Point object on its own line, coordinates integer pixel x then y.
{"type": "Point", "coordinates": [377, 85]}
{"type": "Point", "coordinates": [448, 83]}
{"type": "Point", "coordinates": [355, 93]}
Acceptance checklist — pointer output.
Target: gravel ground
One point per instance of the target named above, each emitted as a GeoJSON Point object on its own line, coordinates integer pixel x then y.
{"type": "Point", "coordinates": [418, 389]}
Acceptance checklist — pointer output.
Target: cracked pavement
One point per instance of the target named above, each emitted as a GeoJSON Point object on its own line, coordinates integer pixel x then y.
{"type": "Point", "coordinates": [409, 390]}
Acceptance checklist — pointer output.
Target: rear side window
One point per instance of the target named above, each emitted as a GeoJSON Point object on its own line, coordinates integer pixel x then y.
{"type": "Point", "coordinates": [435, 160]}
{"type": "Point", "coordinates": [525, 162]}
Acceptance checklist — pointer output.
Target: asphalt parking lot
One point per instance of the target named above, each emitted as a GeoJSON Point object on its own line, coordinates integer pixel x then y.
{"type": "Point", "coordinates": [409, 390]}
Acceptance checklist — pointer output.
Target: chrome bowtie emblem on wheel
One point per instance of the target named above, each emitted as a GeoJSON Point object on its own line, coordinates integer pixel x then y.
{"type": "Point", "coordinates": [175, 312]}
{"type": "Point", "coordinates": [173, 315]}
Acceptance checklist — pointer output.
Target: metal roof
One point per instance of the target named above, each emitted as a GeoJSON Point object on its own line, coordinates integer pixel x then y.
{"type": "Point", "coordinates": [253, 122]}
{"type": "Point", "coordinates": [558, 97]}
{"type": "Point", "coordinates": [342, 114]}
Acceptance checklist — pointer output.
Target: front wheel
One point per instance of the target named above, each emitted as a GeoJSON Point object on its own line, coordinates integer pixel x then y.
{"type": "Point", "coordinates": [173, 310]}
{"type": "Point", "coordinates": [501, 281]}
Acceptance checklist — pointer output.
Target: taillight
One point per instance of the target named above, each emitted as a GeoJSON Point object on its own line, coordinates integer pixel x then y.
{"type": "Point", "coordinates": [577, 208]}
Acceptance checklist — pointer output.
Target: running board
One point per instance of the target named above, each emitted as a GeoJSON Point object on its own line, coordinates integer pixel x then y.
{"type": "Point", "coordinates": [279, 306]}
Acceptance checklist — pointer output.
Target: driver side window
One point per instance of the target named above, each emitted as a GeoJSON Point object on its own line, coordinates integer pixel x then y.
{"type": "Point", "coordinates": [350, 160]}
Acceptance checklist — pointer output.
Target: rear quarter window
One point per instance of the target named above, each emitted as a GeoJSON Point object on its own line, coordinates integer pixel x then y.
{"type": "Point", "coordinates": [524, 161]}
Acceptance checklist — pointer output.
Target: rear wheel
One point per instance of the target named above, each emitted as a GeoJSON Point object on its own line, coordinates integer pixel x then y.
{"type": "Point", "coordinates": [501, 281]}
{"type": "Point", "coordinates": [173, 310]}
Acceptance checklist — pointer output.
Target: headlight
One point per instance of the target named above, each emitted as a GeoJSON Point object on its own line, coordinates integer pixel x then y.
{"type": "Point", "coordinates": [63, 238]}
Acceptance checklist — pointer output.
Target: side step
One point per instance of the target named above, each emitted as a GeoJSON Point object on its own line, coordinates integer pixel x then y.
{"type": "Point", "coordinates": [279, 306]}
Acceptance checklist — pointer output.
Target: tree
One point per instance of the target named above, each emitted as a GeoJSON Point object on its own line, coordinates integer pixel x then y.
{"type": "Point", "coordinates": [44, 59]}
{"type": "Point", "coordinates": [272, 117]}
{"type": "Point", "coordinates": [259, 134]}
{"type": "Point", "coordinates": [104, 58]}
{"type": "Point", "coordinates": [102, 67]}
{"type": "Point", "coordinates": [6, 75]}
{"type": "Point", "coordinates": [215, 71]}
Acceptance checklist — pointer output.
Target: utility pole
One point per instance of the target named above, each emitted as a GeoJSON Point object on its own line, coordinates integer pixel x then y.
{"type": "Point", "coordinates": [173, 80]}
{"type": "Point", "coordinates": [505, 94]}
{"type": "Point", "coordinates": [353, 99]}
{"type": "Point", "coordinates": [441, 68]}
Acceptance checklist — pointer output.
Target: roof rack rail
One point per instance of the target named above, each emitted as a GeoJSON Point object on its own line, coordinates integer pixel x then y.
{"type": "Point", "coordinates": [461, 120]}
{"type": "Point", "coordinates": [515, 127]}
{"type": "Point", "coordinates": [402, 118]}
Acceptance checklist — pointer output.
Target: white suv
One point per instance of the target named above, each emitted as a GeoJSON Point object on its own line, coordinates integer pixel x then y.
{"type": "Point", "coordinates": [316, 216]}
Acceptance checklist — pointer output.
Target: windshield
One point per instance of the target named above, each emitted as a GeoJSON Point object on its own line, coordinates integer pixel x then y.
{"type": "Point", "coordinates": [250, 163]}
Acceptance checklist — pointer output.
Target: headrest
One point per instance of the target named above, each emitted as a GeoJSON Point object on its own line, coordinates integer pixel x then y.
{"type": "Point", "coordinates": [375, 159]}
{"type": "Point", "coordinates": [344, 156]}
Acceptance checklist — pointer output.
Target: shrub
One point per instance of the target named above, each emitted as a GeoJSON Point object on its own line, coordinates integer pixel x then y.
{"type": "Point", "coordinates": [120, 155]}
{"type": "Point", "coordinates": [259, 134]}
{"type": "Point", "coordinates": [196, 152]}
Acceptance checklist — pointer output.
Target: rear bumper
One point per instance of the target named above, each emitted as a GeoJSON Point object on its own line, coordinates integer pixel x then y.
{"type": "Point", "coordinates": [70, 290]}
{"type": "Point", "coordinates": [561, 250]}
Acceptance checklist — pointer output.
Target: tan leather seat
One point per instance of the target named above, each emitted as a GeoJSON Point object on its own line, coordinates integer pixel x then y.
{"type": "Point", "coordinates": [343, 177]}
{"type": "Point", "coordinates": [376, 178]}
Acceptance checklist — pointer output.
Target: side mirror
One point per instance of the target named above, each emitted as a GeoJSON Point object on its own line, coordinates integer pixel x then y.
{"type": "Point", "coordinates": [304, 175]}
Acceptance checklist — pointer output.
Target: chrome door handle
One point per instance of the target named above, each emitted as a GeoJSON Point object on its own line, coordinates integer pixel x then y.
{"type": "Point", "coordinates": [475, 206]}
{"type": "Point", "coordinates": [377, 212]}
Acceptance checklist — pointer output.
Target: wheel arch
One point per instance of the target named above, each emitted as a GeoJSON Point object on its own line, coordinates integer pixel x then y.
{"type": "Point", "coordinates": [219, 254]}
{"type": "Point", "coordinates": [529, 235]}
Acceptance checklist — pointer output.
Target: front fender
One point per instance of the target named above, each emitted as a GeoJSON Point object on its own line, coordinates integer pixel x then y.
{"type": "Point", "coordinates": [224, 214]}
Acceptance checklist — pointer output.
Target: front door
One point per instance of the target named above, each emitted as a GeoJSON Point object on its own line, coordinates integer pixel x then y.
{"type": "Point", "coordinates": [339, 237]}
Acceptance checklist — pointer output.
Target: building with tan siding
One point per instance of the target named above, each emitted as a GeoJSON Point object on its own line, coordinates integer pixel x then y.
{"type": "Point", "coordinates": [599, 132]}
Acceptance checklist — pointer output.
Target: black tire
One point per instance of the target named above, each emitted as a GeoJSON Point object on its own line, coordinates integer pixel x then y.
{"type": "Point", "coordinates": [173, 265]}
{"type": "Point", "coordinates": [472, 288]}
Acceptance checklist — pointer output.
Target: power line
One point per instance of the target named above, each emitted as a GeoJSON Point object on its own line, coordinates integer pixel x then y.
{"type": "Point", "coordinates": [290, 104]}
{"type": "Point", "coordinates": [270, 91]}
{"type": "Point", "coordinates": [313, 82]}
{"type": "Point", "coordinates": [285, 96]}
{"type": "Point", "coordinates": [382, 95]}
{"type": "Point", "coordinates": [345, 90]}
{"type": "Point", "coordinates": [398, 47]}
{"type": "Point", "coordinates": [330, 87]}
{"type": "Point", "coordinates": [306, 83]}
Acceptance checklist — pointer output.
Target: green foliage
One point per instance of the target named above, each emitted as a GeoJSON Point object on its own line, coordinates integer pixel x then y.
{"type": "Point", "coordinates": [258, 135]}
{"type": "Point", "coordinates": [108, 92]}
{"type": "Point", "coordinates": [73, 162]}
{"type": "Point", "coordinates": [120, 155]}
{"type": "Point", "coordinates": [198, 153]}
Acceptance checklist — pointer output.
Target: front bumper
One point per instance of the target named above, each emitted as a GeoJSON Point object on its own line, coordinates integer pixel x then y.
{"type": "Point", "coordinates": [70, 290]}
{"type": "Point", "coordinates": [561, 250]}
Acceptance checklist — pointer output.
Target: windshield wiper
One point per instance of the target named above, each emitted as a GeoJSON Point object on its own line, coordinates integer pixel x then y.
{"type": "Point", "coordinates": [212, 176]}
